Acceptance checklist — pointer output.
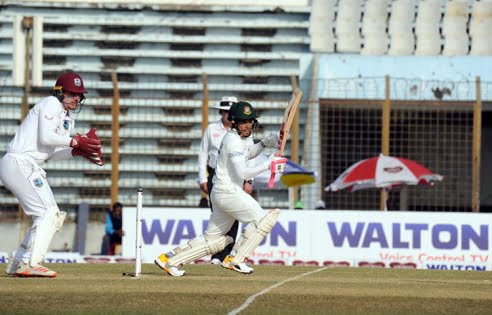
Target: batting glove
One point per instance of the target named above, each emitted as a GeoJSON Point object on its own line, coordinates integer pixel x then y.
{"type": "Point", "coordinates": [270, 141]}
{"type": "Point", "coordinates": [277, 163]}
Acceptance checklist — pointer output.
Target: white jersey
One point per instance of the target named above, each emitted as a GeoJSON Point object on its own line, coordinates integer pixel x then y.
{"type": "Point", "coordinates": [44, 131]}
{"type": "Point", "coordinates": [232, 167]}
{"type": "Point", "coordinates": [209, 148]}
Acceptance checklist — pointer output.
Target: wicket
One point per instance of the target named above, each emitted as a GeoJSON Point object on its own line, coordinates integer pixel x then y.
{"type": "Point", "coordinates": [138, 237]}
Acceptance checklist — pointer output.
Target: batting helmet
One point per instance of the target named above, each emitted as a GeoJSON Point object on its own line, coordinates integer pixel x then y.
{"type": "Point", "coordinates": [241, 111]}
{"type": "Point", "coordinates": [70, 82]}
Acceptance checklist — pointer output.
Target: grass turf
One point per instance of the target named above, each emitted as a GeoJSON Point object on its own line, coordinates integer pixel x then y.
{"type": "Point", "coordinates": [210, 289]}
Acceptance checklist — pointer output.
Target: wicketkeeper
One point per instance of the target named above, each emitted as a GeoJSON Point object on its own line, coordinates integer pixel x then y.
{"type": "Point", "coordinates": [44, 135]}
{"type": "Point", "coordinates": [230, 201]}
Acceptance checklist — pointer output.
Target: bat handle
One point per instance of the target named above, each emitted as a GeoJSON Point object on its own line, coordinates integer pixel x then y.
{"type": "Point", "coordinates": [271, 182]}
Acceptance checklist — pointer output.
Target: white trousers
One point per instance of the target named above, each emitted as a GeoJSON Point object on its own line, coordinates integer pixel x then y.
{"type": "Point", "coordinates": [27, 181]}
{"type": "Point", "coordinates": [230, 205]}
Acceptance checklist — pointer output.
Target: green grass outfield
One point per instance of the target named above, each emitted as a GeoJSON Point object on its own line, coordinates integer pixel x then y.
{"type": "Point", "coordinates": [211, 289]}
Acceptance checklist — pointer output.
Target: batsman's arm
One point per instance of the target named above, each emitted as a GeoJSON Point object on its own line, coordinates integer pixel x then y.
{"type": "Point", "coordinates": [269, 141]}
{"type": "Point", "coordinates": [241, 168]}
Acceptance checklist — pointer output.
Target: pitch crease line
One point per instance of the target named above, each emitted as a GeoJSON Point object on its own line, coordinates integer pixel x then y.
{"type": "Point", "coordinates": [254, 296]}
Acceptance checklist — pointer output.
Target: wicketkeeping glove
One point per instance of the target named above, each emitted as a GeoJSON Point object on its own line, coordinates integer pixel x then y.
{"type": "Point", "coordinates": [270, 141]}
{"type": "Point", "coordinates": [93, 154]}
{"type": "Point", "coordinates": [92, 135]}
{"type": "Point", "coordinates": [84, 143]}
{"type": "Point", "coordinates": [92, 157]}
{"type": "Point", "coordinates": [277, 163]}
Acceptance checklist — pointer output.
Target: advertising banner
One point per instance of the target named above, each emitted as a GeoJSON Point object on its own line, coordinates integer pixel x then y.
{"type": "Point", "coordinates": [423, 240]}
{"type": "Point", "coordinates": [74, 258]}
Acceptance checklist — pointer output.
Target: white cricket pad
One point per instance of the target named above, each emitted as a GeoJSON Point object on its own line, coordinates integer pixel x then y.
{"type": "Point", "coordinates": [197, 248]}
{"type": "Point", "coordinates": [42, 234]}
{"type": "Point", "coordinates": [252, 236]}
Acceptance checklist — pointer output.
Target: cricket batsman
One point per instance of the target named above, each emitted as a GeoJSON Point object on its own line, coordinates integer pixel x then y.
{"type": "Point", "coordinates": [44, 135]}
{"type": "Point", "coordinates": [230, 201]}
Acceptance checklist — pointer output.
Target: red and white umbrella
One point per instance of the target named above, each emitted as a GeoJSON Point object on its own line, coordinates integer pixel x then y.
{"type": "Point", "coordinates": [383, 172]}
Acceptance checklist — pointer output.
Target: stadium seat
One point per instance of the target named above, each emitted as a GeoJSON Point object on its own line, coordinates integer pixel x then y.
{"type": "Point", "coordinates": [348, 43]}
{"type": "Point", "coordinates": [401, 17]}
{"type": "Point", "coordinates": [454, 26]}
{"type": "Point", "coordinates": [481, 9]}
{"type": "Point", "coordinates": [322, 42]}
{"type": "Point", "coordinates": [480, 45]}
{"type": "Point", "coordinates": [402, 44]}
{"type": "Point", "coordinates": [427, 29]}
{"type": "Point", "coordinates": [429, 10]}
{"type": "Point", "coordinates": [480, 26]}
{"type": "Point", "coordinates": [321, 26]}
{"type": "Point", "coordinates": [456, 8]}
{"type": "Point", "coordinates": [376, 9]}
{"type": "Point", "coordinates": [374, 24]}
{"type": "Point", "coordinates": [349, 10]}
{"type": "Point", "coordinates": [428, 45]}
{"type": "Point", "coordinates": [322, 15]}
{"type": "Point", "coordinates": [456, 45]}
{"type": "Point", "coordinates": [375, 45]}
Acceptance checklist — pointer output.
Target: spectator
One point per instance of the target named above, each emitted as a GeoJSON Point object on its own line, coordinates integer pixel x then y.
{"type": "Point", "coordinates": [114, 231]}
{"type": "Point", "coordinates": [320, 205]}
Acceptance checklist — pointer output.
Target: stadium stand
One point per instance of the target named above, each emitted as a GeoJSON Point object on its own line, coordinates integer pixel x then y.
{"type": "Point", "coordinates": [374, 24]}
{"type": "Point", "coordinates": [480, 25]}
{"type": "Point", "coordinates": [321, 26]}
{"type": "Point", "coordinates": [161, 54]}
{"type": "Point", "coordinates": [160, 57]}
{"type": "Point", "coordinates": [348, 26]}
{"type": "Point", "coordinates": [427, 32]}
{"type": "Point", "coordinates": [454, 29]}
{"type": "Point", "coordinates": [400, 28]}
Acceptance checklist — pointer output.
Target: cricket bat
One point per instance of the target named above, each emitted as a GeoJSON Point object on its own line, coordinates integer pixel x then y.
{"type": "Point", "coordinates": [289, 113]}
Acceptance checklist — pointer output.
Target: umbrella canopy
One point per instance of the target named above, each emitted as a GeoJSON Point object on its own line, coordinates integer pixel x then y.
{"type": "Point", "coordinates": [293, 175]}
{"type": "Point", "coordinates": [383, 172]}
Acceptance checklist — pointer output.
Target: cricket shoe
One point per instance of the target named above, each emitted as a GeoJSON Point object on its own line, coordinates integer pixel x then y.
{"type": "Point", "coordinates": [11, 267]}
{"type": "Point", "coordinates": [241, 267]}
{"type": "Point", "coordinates": [25, 270]}
{"type": "Point", "coordinates": [162, 262]}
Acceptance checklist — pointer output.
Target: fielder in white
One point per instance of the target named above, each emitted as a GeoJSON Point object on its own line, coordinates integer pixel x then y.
{"type": "Point", "coordinates": [44, 134]}
{"type": "Point", "coordinates": [230, 201]}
